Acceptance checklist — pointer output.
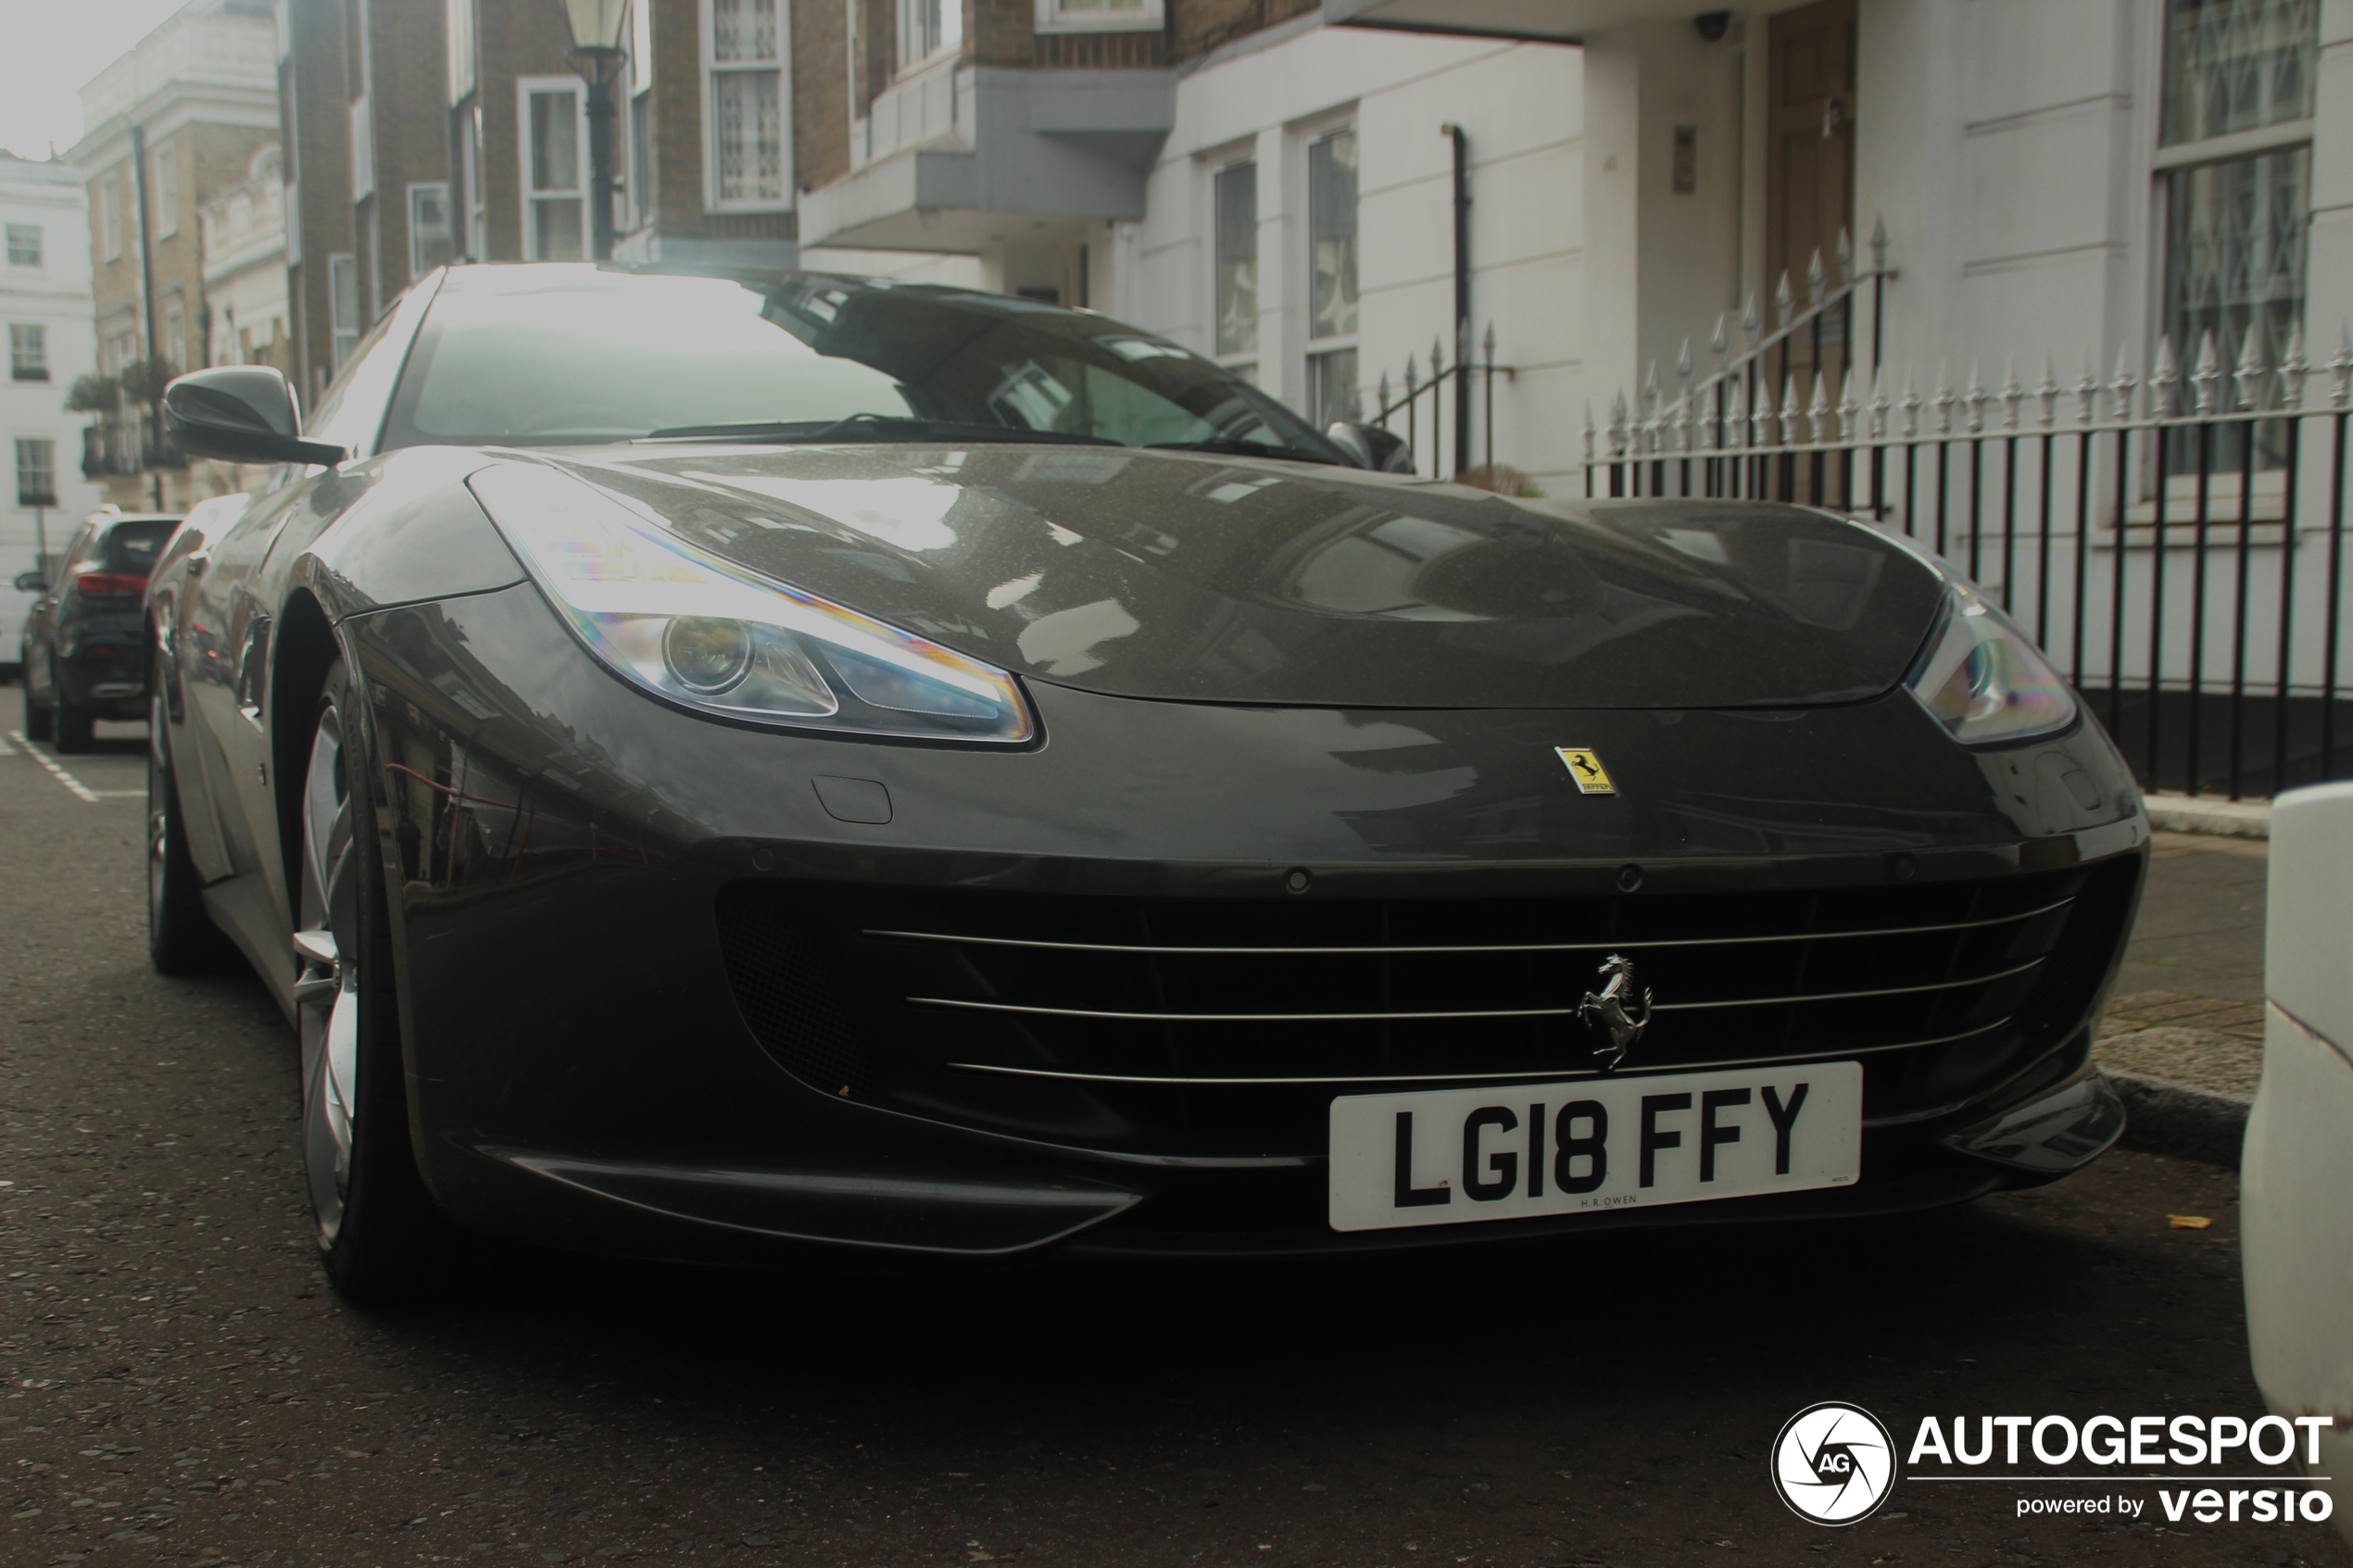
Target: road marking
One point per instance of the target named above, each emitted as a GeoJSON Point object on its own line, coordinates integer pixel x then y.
{"type": "Point", "coordinates": [56, 772]}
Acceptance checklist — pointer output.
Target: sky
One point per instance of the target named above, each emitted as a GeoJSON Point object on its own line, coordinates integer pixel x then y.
{"type": "Point", "coordinates": [48, 48]}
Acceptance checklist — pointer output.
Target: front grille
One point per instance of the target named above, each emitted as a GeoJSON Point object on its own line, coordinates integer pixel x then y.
{"type": "Point", "coordinates": [1225, 1025]}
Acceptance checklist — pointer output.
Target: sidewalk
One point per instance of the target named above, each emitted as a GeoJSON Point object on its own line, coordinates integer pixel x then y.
{"type": "Point", "coordinates": [2183, 1034]}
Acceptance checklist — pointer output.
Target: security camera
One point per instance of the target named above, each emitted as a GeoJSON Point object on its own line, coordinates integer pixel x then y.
{"type": "Point", "coordinates": [1713, 25]}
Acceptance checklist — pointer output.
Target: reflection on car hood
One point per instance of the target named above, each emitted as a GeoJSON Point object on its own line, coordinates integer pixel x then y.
{"type": "Point", "coordinates": [1186, 577]}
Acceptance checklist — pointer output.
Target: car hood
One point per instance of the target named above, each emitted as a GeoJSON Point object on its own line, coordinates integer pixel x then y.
{"type": "Point", "coordinates": [1183, 577]}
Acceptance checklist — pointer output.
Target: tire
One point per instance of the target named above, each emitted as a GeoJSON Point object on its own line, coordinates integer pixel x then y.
{"type": "Point", "coordinates": [73, 723]}
{"type": "Point", "coordinates": [380, 1235]}
{"type": "Point", "coordinates": [39, 722]}
{"type": "Point", "coordinates": [182, 939]}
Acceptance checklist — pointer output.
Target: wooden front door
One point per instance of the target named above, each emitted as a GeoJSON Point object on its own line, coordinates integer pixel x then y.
{"type": "Point", "coordinates": [1810, 172]}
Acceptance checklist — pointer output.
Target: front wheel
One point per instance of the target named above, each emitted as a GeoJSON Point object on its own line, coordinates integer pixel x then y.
{"type": "Point", "coordinates": [378, 1230]}
{"type": "Point", "coordinates": [182, 939]}
{"type": "Point", "coordinates": [38, 720]}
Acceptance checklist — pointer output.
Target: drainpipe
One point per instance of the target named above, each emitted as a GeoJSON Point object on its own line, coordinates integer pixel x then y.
{"type": "Point", "coordinates": [1462, 293]}
{"type": "Point", "coordinates": [146, 292]}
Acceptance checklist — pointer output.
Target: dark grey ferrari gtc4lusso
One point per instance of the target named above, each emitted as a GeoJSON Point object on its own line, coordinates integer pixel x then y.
{"type": "Point", "coordinates": [787, 768]}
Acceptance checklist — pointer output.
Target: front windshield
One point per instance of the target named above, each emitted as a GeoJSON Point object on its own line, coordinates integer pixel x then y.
{"type": "Point", "coordinates": [539, 356]}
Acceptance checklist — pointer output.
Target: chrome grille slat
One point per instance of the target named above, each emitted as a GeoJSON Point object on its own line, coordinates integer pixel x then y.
{"type": "Point", "coordinates": [1530, 1077]}
{"type": "Point", "coordinates": [981, 1005]}
{"type": "Point", "coordinates": [1631, 945]}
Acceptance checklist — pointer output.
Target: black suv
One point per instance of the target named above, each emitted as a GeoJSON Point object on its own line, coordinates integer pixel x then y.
{"type": "Point", "coordinates": [85, 643]}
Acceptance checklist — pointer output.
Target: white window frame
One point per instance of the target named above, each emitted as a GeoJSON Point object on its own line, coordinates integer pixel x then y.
{"type": "Point", "coordinates": [166, 159]}
{"type": "Point", "coordinates": [36, 333]}
{"type": "Point", "coordinates": [418, 266]}
{"type": "Point", "coordinates": [459, 33]}
{"type": "Point", "coordinates": [1304, 141]}
{"type": "Point", "coordinates": [524, 87]}
{"type": "Point", "coordinates": [951, 35]}
{"type": "Point", "coordinates": [1150, 17]}
{"type": "Point", "coordinates": [712, 67]}
{"type": "Point", "coordinates": [39, 247]}
{"type": "Point", "coordinates": [362, 142]}
{"type": "Point", "coordinates": [1242, 361]}
{"type": "Point", "coordinates": [109, 216]}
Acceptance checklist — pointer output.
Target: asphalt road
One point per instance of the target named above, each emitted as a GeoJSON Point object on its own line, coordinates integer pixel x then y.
{"type": "Point", "coordinates": [183, 1388]}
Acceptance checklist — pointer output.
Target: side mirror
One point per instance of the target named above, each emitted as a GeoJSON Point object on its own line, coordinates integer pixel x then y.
{"type": "Point", "coordinates": [241, 414]}
{"type": "Point", "coordinates": [30, 583]}
{"type": "Point", "coordinates": [1372, 447]}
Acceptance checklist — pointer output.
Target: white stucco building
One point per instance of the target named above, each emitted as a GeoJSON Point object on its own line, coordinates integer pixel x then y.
{"type": "Point", "coordinates": [44, 302]}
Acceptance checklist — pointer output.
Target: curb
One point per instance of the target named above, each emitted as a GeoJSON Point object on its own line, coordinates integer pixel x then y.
{"type": "Point", "coordinates": [2188, 1123]}
{"type": "Point", "coordinates": [2170, 813]}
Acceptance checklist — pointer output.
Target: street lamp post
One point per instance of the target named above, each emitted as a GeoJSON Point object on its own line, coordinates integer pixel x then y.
{"type": "Point", "coordinates": [596, 45]}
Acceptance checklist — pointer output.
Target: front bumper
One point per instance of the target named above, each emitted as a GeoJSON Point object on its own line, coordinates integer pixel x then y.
{"type": "Point", "coordinates": [583, 1071]}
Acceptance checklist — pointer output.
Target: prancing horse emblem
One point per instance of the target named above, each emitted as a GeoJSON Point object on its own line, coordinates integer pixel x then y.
{"type": "Point", "coordinates": [1608, 1011]}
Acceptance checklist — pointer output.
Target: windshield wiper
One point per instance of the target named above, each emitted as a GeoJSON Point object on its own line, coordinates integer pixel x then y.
{"type": "Point", "coordinates": [872, 427]}
{"type": "Point", "coordinates": [1228, 446]}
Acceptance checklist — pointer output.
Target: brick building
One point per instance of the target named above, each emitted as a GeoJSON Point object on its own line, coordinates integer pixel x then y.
{"type": "Point", "coordinates": [171, 125]}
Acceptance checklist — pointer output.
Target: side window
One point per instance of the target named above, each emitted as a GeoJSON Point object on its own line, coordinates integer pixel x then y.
{"type": "Point", "coordinates": [351, 413]}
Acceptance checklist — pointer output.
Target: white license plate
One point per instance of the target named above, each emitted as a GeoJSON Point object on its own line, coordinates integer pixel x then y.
{"type": "Point", "coordinates": [1442, 1157]}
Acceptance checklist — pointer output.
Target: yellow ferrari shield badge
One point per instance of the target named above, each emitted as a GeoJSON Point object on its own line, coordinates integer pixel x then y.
{"type": "Point", "coordinates": [1585, 767]}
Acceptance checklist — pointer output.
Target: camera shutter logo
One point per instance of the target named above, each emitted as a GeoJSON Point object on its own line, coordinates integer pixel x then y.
{"type": "Point", "coordinates": [1833, 1464]}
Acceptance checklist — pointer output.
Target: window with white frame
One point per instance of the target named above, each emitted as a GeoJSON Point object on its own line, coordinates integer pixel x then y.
{"type": "Point", "coordinates": [24, 245]}
{"type": "Point", "coordinates": [110, 218]}
{"type": "Point", "coordinates": [1098, 16]}
{"type": "Point", "coordinates": [27, 351]}
{"type": "Point", "coordinates": [167, 190]}
{"type": "Point", "coordinates": [460, 50]}
{"type": "Point", "coordinates": [175, 333]}
{"type": "Point", "coordinates": [554, 174]}
{"type": "Point", "coordinates": [1235, 202]}
{"type": "Point", "coordinates": [2234, 178]}
{"type": "Point", "coordinates": [929, 27]}
{"type": "Point", "coordinates": [431, 243]}
{"type": "Point", "coordinates": [748, 146]}
{"type": "Point", "coordinates": [1331, 276]}
{"type": "Point", "coordinates": [36, 472]}
{"type": "Point", "coordinates": [343, 305]}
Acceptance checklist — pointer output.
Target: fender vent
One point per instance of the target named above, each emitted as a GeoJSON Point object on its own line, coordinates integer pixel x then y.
{"type": "Point", "coordinates": [778, 968]}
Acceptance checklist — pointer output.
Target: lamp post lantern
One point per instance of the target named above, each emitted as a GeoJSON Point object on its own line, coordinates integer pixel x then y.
{"type": "Point", "coordinates": [596, 47]}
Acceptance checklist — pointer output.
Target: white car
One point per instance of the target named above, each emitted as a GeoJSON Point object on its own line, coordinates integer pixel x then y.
{"type": "Point", "coordinates": [2297, 1178]}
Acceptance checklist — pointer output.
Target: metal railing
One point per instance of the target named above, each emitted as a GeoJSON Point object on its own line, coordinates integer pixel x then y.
{"type": "Point", "coordinates": [1473, 378]}
{"type": "Point", "coordinates": [2195, 600]}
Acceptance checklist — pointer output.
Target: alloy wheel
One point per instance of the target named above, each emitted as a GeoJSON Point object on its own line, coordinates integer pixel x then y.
{"type": "Point", "coordinates": [327, 997]}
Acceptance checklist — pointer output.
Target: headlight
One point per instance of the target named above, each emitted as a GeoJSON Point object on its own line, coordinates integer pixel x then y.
{"type": "Point", "coordinates": [709, 636]}
{"type": "Point", "coordinates": [1982, 678]}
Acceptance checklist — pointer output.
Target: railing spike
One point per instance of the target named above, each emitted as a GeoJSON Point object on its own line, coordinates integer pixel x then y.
{"type": "Point", "coordinates": [2208, 374]}
{"type": "Point", "coordinates": [1784, 302]}
{"type": "Point", "coordinates": [2163, 379]}
{"type": "Point", "coordinates": [1751, 322]}
{"type": "Point", "coordinates": [2087, 391]}
{"type": "Point", "coordinates": [2293, 370]}
{"type": "Point", "coordinates": [2124, 384]}
{"type": "Point", "coordinates": [2047, 390]}
{"type": "Point", "coordinates": [1910, 404]}
{"type": "Point", "coordinates": [1878, 404]}
{"type": "Point", "coordinates": [1816, 281]}
{"type": "Point", "coordinates": [1975, 399]}
{"type": "Point", "coordinates": [1735, 415]}
{"type": "Point", "coordinates": [1789, 406]}
{"type": "Point", "coordinates": [1722, 342]}
{"type": "Point", "coordinates": [1848, 406]}
{"type": "Point", "coordinates": [1383, 405]}
{"type": "Point", "coordinates": [1944, 400]}
{"type": "Point", "coordinates": [1489, 342]}
{"type": "Point", "coordinates": [1761, 416]}
{"type": "Point", "coordinates": [1845, 256]}
{"type": "Point", "coordinates": [1650, 389]}
{"type": "Point", "coordinates": [1618, 424]}
{"type": "Point", "coordinates": [1817, 412]}
{"type": "Point", "coordinates": [1878, 242]}
{"type": "Point", "coordinates": [1683, 424]}
{"type": "Point", "coordinates": [2341, 368]}
{"type": "Point", "coordinates": [1437, 358]}
{"type": "Point", "coordinates": [2249, 373]}
{"type": "Point", "coordinates": [1683, 364]}
{"type": "Point", "coordinates": [2011, 393]}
